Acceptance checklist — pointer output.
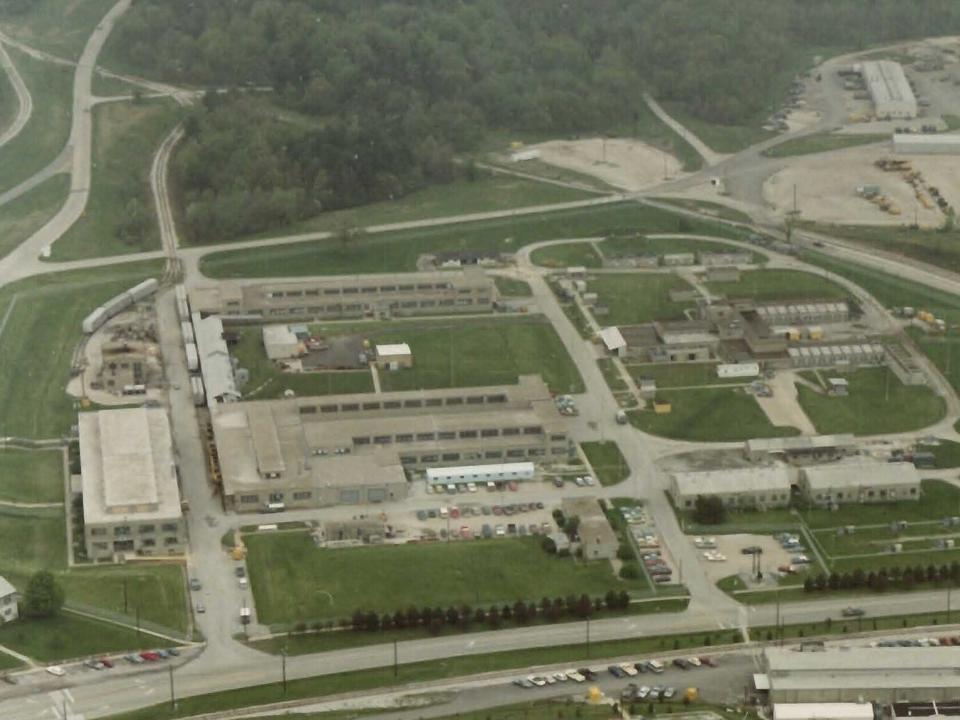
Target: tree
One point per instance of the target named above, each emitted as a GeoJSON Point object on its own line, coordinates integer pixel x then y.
{"type": "Point", "coordinates": [709, 510]}
{"type": "Point", "coordinates": [43, 597]}
{"type": "Point", "coordinates": [571, 525]}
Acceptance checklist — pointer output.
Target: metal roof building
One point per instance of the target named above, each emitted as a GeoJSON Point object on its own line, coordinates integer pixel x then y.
{"type": "Point", "coordinates": [823, 711]}
{"type": "Point", "coordinates": [215, 365]}
{"type": "Point", "coordinates": [888, 87]}
{"type": "Point", "coordinates": [801, 446]}
{"type": "Point", "coordinates": [860, 480]}
{"type": "Point", "coordinates": [909, 144]}
{"type": "Point", "coordinates": [613, 340]}
{"type": "Point", "coordinates": [863, 674]}
{"type": "Point", "coordinates": [757, 487]}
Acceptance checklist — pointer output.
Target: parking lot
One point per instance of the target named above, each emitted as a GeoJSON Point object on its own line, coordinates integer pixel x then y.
{"type": "Point", "coordinates": [735, 562]}
{"type": "Point", "coordinates": [468, 517]}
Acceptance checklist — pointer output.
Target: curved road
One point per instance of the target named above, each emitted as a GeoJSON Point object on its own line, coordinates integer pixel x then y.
{"type": "Point", "coordinates": [24, 99]}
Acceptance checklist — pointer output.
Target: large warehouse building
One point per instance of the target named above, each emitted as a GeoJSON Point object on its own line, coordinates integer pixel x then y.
{"type": "Point", "coordinates": [131, 501]}
{"type": "Point", "coordinates": [908, 144]}
{"type": "Point", "coordinates": [288, 453]}
{"type": "Point", "coordinates": [757, 487]}
{"type": "Point", "coordinates": [862, 674]}
{"type": "Point", "coordinates": [892, 96]}
{"type": "Point", "coordinates": [860, 481]}
{"type": "Point", "coordinates": [445, 292]}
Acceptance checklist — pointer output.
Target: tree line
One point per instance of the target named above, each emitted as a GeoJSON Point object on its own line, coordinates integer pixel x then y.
{"type": "Point", "coordinates": [894, 578]}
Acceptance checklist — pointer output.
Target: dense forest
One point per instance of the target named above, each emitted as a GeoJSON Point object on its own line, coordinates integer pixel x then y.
{"type": "Point", "coordinates": [385, 92]}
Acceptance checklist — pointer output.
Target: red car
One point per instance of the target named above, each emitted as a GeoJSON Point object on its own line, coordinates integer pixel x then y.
{"type": "Point", "coordinates": [454, 512]}
{"type": "Point", "coordinates": [708, 661]}
{"type": "Point", "coordinates": [106, 662]}
{"type": "Point", "coordinates": [150, 655]}
{"type": "Point", "coordinates": [465, 532]}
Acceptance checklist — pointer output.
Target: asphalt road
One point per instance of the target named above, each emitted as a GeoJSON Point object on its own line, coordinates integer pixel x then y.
{"type": "Point", "coordinates": [24, 99]}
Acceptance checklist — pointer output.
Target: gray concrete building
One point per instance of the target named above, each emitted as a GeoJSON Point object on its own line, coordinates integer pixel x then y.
{"type": "Point", "coordinates": [131, 499]}
{"type": "Point", "coordinates": [759, 488]}
{"type": "Point", "coordinates": [305, 452]}
{"type": "Point", "coordinates": [801, 449]}
{"type": "Point", "coordinates": [349, 296]}
{"type": "Point", "coordinates": [859, 480]}
{"type": "Point", "coordinates": [892, 96]}
{"type": "Point", "coordinates": [598, 541]}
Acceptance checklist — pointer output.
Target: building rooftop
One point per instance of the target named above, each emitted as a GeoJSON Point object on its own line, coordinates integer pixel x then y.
{"type": "Point", "coordinates": [887, 82]}
{"type": "Point", "coordinates": [6, 588]}
{"type": "Point", "coordinates": [911, 139]}
{"type": "Point", "coordinates": [127, 465]}
{"type": "Point", "coordinates": [394, 349]}
{"type": "Point", "coordinates": [799, 443]}
{"type": "Point", "coordinates": [612, 339]}
{"type": "Point", "coordinates": [215, 365]}
{"type": "Point", "coordinates": [823, 711]}
{"type": "Point", "coordinates": [723, 482]}
{"type": "Point", "coordinates": [861, 472]}
{"type": "Point", "coordinates": [862, 667]}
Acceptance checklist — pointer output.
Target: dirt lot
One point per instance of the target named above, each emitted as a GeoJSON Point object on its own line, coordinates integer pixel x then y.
{"type": "Point", "coordinates": [626, 164]}
{"type": "Point", "coordinates": [737, 563]}
{"type": "Point", "coordinates": [826, 186]}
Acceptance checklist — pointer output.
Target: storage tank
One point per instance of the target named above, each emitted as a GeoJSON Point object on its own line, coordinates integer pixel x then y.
{"type": "Point", "coordinates": [193, 359]}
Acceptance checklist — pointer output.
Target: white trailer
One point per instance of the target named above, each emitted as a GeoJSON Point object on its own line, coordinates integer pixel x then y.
{"type": "Point", "coordinates": [738, 370]}
{"type": "Point", "coordinates": [144, 289]}
{"type": "Point", "coordinates": [480, 473]}
{"type": "Point", "coordinates": [94, 320]}
{"type": "Point", "coordinates": [193, 359]}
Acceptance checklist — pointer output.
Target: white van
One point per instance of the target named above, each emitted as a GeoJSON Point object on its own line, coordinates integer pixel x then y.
{"type": "Point", "coordinates": [655, 666]}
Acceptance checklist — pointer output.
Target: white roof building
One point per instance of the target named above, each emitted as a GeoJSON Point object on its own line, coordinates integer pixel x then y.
{"type": "Point", "coordinates": [215, 365]}
{"type": "Point", "coordinates": [941, 144]}
{"type": "Point", "coordinates": [481, 473]}
{"type": "Point", "coordinates": [280, 342]}
{"type": "Point", "coordinates": [861, 480]}
{"type": "Point", "coordinates": [760, 487]}
{"type": "Point", "coordinates": [613, 340]}
{"type": "Point", "coordinates": [8, 601]}
{"type": "Point", "coordinates": [393, 350]}
{"type": "Point", "coordinates": [823, 711]}
{"type": "Point", "coordinates": [891, 93]}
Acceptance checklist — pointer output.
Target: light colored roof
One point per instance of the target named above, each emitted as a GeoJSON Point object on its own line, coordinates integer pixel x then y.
{"type": "Point", "coordinates": [726, 482]}
{"type": "Point", "coordinates": [800, 442]}
{"type": "Point", "coordinates": [823, 711]}
{"type": "Point", "coordinates": [612, 338]}
{"type": "Point", "coordinates": [215, 363]}
{"type": "Point", "coordinates": [6, 588]}
{"type": "Point", "coordinates": [127, 466]}
{"type": "Point", "coordinates": [886, 82]}
{"type": "Point", "coordinates": [278, 334]}
{"type": "Point", "coordinates": [761, 681]}
{"type": "Point", "coordinates": [861, 473]}
{"type": "Point", "coordinates": [520, 469]}
{"type": "Point", "coordinates": [394, 349]}
{"type": "Point", "coordinates": [910, 139]}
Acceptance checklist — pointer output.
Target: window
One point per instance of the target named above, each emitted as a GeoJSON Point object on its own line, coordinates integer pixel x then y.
{"type": "Point", "coordinates": [328, 408]}
{"type": "Point", "coordinates": [507, 432]}
{"type": "Point", "coordinates": [121, 530]}
{"type": "Point", "coordinates": [382, 439]}
{"type": "Point", "coordinates": [433, 402]}
{"type": "Point", "coordinates": [311, 293]}
{"type": "Point", "coordinates": [392, 405]}
{"type": "Point", "coordinates": [408, 460]}
{"type": "Point", "coordinates": [455, 401]}
{"type": "Point", "coordinates": [913, 491]}
{"type": "Point", "coordinates": [349, 407]}
{"type": "Point", "coordinates": [276, 497]}
{"type": "Point", "coordinates": [100, 546]}
{"type": "Point", "coordinates": [361, 441]}
{"type": "Point", "coordinates": [536, 452]}
{"type": "Point", "coordinates": [98, 531]}
{"type": "Point", "coordinates": [404, 438]}
{"type": "Point", "coordinates": [302, 495]}
{"type": "Point", "coordinates": [515, 453]}
{"type": "Point", "coordinates": [446, 435]}
{"type": "Point", "coordinates": [308, 409]}
{"type": "Point", "coordinates": [496, 398]}
{"type": "Point", "coordinates": [170, 527]}
{"type": "Point", "coordinates": [558, 451]}
{"type": "Point", "coordinates": [331, 291]}
{"type": "Point", "coordinates": [368, 290]}
{"type": "Point", "coordinates": [489, 432]}
{"type": "Point", "coordinates": [475, 400]}
{"type": "Point", "coordinates": [447, 457]}
{"type": "Point", "coordinates": [149, 542]}
{"type": "Point", "coordinates": [405, 288]}
{"type": "Point", "coordinates": [350, 291]}
{"type": "Point", "coordinates": [532, 430]}
{"type": "Point", "coordinates": [248, 499]}
{"type": "Point", "coordinates": [425, 437]}
{"type": "Point", "coordinates": [171, 541]}
{"type": "Point", "coordinates": [413, 404]}
{"type": "Point", "coordinates": [371, 406]}
{"type": "Point", "coordinates": [468, 434]}
{"type": "Point", "coordinates": [388, 288]}
{"type": "Point", "coordinates": [428, 459]}
{"type": "Point", "coordinates": [147, 529]}
{"type": "Point", "coordinates": [428, 303]}
{"type": "Point", "coordinates": [493, 454]}
{"type": "Point", "coordinates": [557, 437]}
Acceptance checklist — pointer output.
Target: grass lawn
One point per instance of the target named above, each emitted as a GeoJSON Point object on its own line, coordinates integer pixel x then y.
{"type": "Point", "coordinates": [45, 323]}
{"type": "Point", "coordinates": [31, 540]}
{"type": "Point", "coordinates": [58, 28]}
{"type": "Point", "coordinates": [22, 217]}
{"type": "Point", "coordinates": [634, 298]}
{"type": "Point", "coordinates": [719, 138]}
{"type": "Point", "coordinates": [946, 454]}
{"type": "Point", "coordinates": [708, 208]}
{"type": "Point", "coordinates": [44, 136]}
{"type": "Point", "coordinates": [398, 251]}
{"type": "Point", "coordinates": [780, 285]}
{"type": "Point", "coordinates": [611, 375]}
{"type": "Point", "coordinates": [69, 636]}
{"type": "Point", "coordinates": [288, 573]}
{"type": "Point", "coordinates": [8, 102]}
{"type": "Point", "coordinates": [710, 414]}
{"type": "Point", "coordinates": [465, 353]}
{"type": "Point", "coordinates": [878, 403]}
{"type": "Point", "coordinates": [943, 350]}
{"type": "Point", "coordinates": [607, 461]}
{"type": "Point", "coordinates": [928, 245]}
{"type": "Point", "coordinates": [633, 245]}
{"type": "Point", "coordinates": [126, 137]}
{"type": "Point", "coordinates": [268, 381]}
{"type": "Point", "coordinates": [821, 142]}
{"type": "Point", "coordinates": [512, 288]}
{"type": "Point", "coordinates": [487, 193]}
{"type": "Point", "coordinates": [937, 499]}
{"type": "Point", "coordinates": [580, 254]}
{"type": "Point", "coordinates": [32, 476]}
{"type": "Point", "coordinates": [674, 375]}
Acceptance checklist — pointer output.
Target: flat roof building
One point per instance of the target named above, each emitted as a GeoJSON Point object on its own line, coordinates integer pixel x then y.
{"type": "Point", "coordinates": [755, 487]}
{"type": "Point", "coordinates": [280, 342]}
{"type": "Point", "coordinates": [803, 448]}
{"type": "Point", "coordinates": [394, 356]}
{"type": "Point", "coordinates": [345, 296]}
{"type": "Point", "coordinates": [889, 89]}
{"type": "Point", "coordinates": [131, 500]}
{"type": "Point", "coordinates": [597, 538]}
{"type": "Point", "coordinates": [940, 144]}
{"type": "Point", "coordinates": [823, 711]}
{"type": "Point", "coordinates": [215, 365]}
{"type": "Point", "coordinates": [862, 674]}
{"type": "Point", "coordinates": [270, 450]}
{"type": "Point", "coordinates": [860, 481]}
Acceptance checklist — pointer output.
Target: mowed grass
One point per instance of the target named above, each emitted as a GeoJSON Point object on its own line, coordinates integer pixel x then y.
{"type": "Point", "coordinates": [398, 251]}
{"type": "Point", "coordinates": [9, 105]}
{"type": "Point", "coordinates": [878, 403]}
{"type": "Point", "coordinates": [938, 499]}
{"type": "Point", "coordinates": [69, 636]}
{"type": "Point", "coordinates": [821, 142]}
{"type": "Point", "coordinates": [61, 28]}
{"type": "Point", "coordinates": [607, 461]}
{"type": "Point", "coordinates": [710, 414]}
{"type": "Point", "coordinates": [466, 353]}
{"type": "Point", "coordinates": [31, 540]}
{"type": "Point", "coordinates": [126, 137]}
{"type": "Point", "coordinates": [634, 298]}
{"type": "Point", "coordinates": [22, 217]}
{"type": "Point", "coordinates": [45, 135]}
{"type": "Point", "coordinates": [708, 208]}
{"type": "Point", "coordinates": [634, 245]}
{"type": "Point", "coordinates": [31, 476]}
{"type": "Point", "coordinates": [487, 193]}
{"type": "Point", "coordinates": [267, 380]}
{"type": "Point", "coordinates": [943, 350]}
{"type": "Point", "coordinates": [512, 288]}
{"type": "Point", "coordinates": [946, 454]}
{"type": "Point", "coordinates": [934, 246]}
{"type": "Point", "coordinates": [579, 254]}
{"type": "Point", "coordinates": [37, 343]}
{"type": "Point", "coordinates": [291, 577]}
{"type": "Point", "coordinates": [780, 285]}
{"type": "Point", "coordinates": [719, 138]}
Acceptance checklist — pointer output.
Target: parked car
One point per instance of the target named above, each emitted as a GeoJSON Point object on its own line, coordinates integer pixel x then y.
{"type": "Point", "coordinates": [108, 663]}
{"type": "Point", "coordinates": [628, 668]}
{"type": "Point", "coordinates": [240, 571]}
{"type": "Point", "coordinates": [244, 584]}
{"type": "Point", "coordinates": [560, 676]}
{"type": "Point", "coordinates": [195, 584]}
{"type": "Point", "coordinates": [694, 661]}
{"type": "Point", "coordinates": [150, 655]}
{"type": "Point", "coordinates": [133, 659]}
{"type": "Point", "coordinates": [200, 607]}
{"type": "Point", "coordinates": [642, 692]}
{"type": "Point", "coordinates": [617, 671]}
{"type": "Point", "coordinates": [668, 693]}
{"type": "Point", "coordinates": [537, 680]}
{"type": "Point", "coordinates": [500, 531]}
{"type": "Point", "coordinates": [497, 510]}
{"type": "Point", "coordinates": [708, 661]}
{"type": "Point", "coordinates": [56, 670]}
{"type": "Point", "coordinates": [485, 510]}
{"type": "Point", "coordinates": [421, 515]}
{"type": "Point", "coordinates": [174, 652]}
{"type": "Point", "coordinates": [93, 664]}
{"type": "Point", "coordinates": [471, 487]}
{"type": "Point", "coordinates": [575, 675]}
{"type": "Point", "coordinates": [681, 663]}
{"type": "Point", "coordinates": [588, 673]}
{"type": "Point", "coordinates": [487, 530]}
{"type": "Point", "coordinates": [558, 482]}
{"type": "Point", "coordinates": [851, 611]}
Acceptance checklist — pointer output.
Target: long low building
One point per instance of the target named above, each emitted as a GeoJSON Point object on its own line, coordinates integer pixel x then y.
{"type": "Point", "coordinates": [862, 674]}
{"type": "Point", "coordinates": [273, 452]}
{"type": "Point", "coordinates": [940, 144]}
{"type": "Point", "coordinates": [860, 481]}
{"type": "Point", "coordinates": [131, 500]}
{"type": "Point", "coordinates": [469, 290]}
{"type": "Point", "coordinates": [755, 487]}
{"type": "Point", "coordinates": [823, 711]}
{"type": "Point", "coordinates": [802, 448]}
{"type": "Point", "coordinates": [892, 96]}
{"type": "Point", "coordinates": [215, 364]}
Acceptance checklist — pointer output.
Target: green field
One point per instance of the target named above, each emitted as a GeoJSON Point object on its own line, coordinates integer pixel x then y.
{"type": "Point", "coordinates": [821, 142]}
{"type": "Point", "coordinates": [31, 540]}
{"type": "Point", "coordinates": [398, 251]}
{"type": "Point", "coordinates": [607, 461]}
{"type": "Point", "coordinates": [291, 577]}
{"type": "Point", "coordinates": [710, 414]}
{"type": "Point", "coordinates": [45, 135]}
{"type": "Point", "coordinates": [8, 102]}
{"type": "Point", "coordinates": [878, 403]}
{"type": "Point", "coordinates": [677, 375]}
{"type": "Point", "coordinates": [579, 254]}
{"type": "Point", "coordinates": [719, 138]}
{"type": "Point", "coordinates": [69, 636]}
{"type": "Point", "coordinates": [614, 381]}
{"type": "Point", "coordinates": [22, 217]}
{"type": "Point", "coordinates": [780, 285]}
{"type": "Point", "coordinates": [57, 27]}
{"type": "Point", "coordinates": [946, 453]}
{"type": "Point", "coordinates": [634, 245]}
{"type": "Point", "coordinates": [126, 137]}
{"type": "Point", "coordinates": [45, 323]}
{"type": "Point", "coordinates": [708, 208]}
{"type": "Point", "coordinates": [634, 298]}
{"type": "Point", "coordinates": [512, 288]}
{"type": "Point", "coordinates": [935, 246]}
{"type": "Point", "coordinates": [31, 476]}
{"type": "Point", "coordinates": [943, 350]}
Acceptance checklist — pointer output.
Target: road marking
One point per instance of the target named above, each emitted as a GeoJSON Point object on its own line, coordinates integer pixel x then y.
{"type": "Point", "coordinates": [69, 696]}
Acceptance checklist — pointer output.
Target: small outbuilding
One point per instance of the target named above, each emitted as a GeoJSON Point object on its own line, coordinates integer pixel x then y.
{"type": "Point", "coordinates": [613, 341]}
{"type": "Point", "coordinates": [9, 597]}
{"type": "Point", "coordinates": [281, 343]}
{"type": "Point", "coordinates": [394, 357]}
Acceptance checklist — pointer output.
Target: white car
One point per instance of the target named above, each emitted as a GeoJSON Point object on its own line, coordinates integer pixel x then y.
{"type": "Point", "coordinates": [472, 487]}
{"type": "Point", "coordinates": [500, 531]}
{"type": "Point", "coordinates": [694, 661]}
{"type": "Point", "coordinates": [579, 481]}
{"type": "Point", "coordinates": [537, 680]}
{"type": "Point", "coordinates": [243, 583]}
{"type": "Point", "coordinates": [551, 680]}
{"type": "Point", "coordinates": [588, 480]}
{"type": "Point", "coordinates": [629, 669]}
{"type": "Point", "coordinates": [560, 676]}
{"type": "Point", "coordinates": [575, 676]}
{"type": "Point", "coordinates": [642, 692]}
{"type": "Point", "coordinates": [56, 670]}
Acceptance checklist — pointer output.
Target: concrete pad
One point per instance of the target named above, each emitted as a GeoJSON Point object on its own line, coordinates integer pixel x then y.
{"type": "Point", "coordinates": [623, 163]}
{"type": "Point", "coordinates": [783, 409]}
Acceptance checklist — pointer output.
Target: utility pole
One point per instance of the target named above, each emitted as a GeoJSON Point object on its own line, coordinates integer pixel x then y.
{"type": "Point", "coordinates": [396, 666]}
{"type": "Point", "coordinates": [949, 589]}
{"type": "Point", "coordinates": [138, 623]}
{"type": "Point", "coordinates": [124, 596]}
{"type": "Point", "coordinates": [283, 661]}
{"type": "Point", "coordinates": [173, 697]}
{"type": "Point", "coordinates": [588, 637]}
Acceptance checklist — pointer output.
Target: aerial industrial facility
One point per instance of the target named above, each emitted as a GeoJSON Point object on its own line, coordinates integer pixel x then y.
{"type": "Point", "coordinates": [889, 89]}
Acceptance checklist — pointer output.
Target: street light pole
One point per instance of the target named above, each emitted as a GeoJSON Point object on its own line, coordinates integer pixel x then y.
{"type": "Point", "coordinates": [396, 666]}
{"type": "Point", "coordinates": [283, 660]}
{"type": "Point", "coordinates": [588, 637]}
{"type": "Point", "coordinates": [173, 697]}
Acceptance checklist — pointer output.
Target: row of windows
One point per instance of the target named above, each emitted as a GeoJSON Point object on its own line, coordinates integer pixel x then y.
{"type": "Point", "coordinates": [450, 435]}
{"type": "Point", "coordinates": [364, 290]}
{"type": "Point", "coordinates": [124, 530]}
{"type": "Point", "coordinates": [869, 493]}
{"type": "Point", "coordinates": [339, 308]}
{"type": "Point", "coordinates": [486, 455]}
{"type": "Point", "coordinates": [276, 497]}
{"type": "Point", "coordinates": [397, 404]}
{"type": "Point", "coordinates": [125, 545]}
